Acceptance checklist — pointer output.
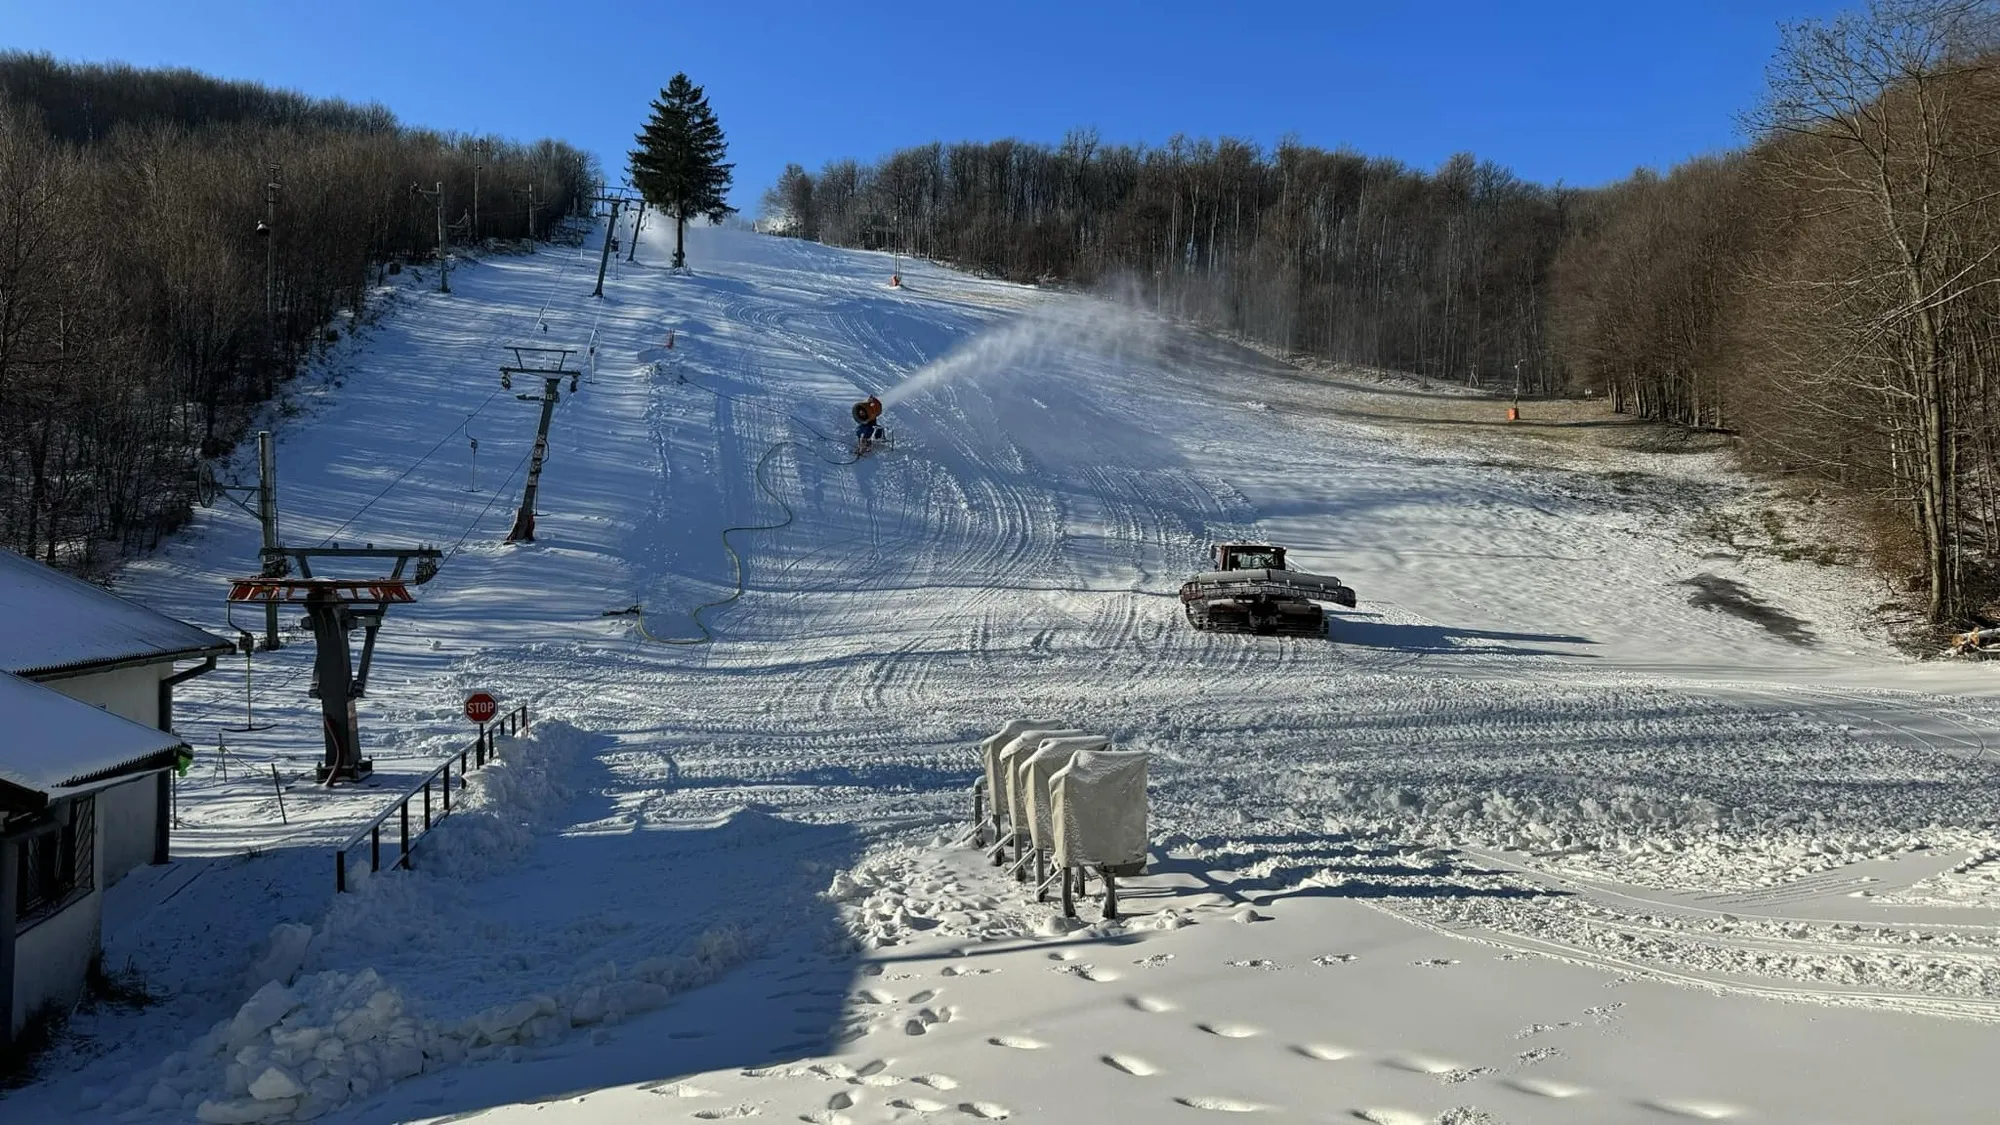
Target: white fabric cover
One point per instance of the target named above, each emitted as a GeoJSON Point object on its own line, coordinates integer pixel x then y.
{"type": "Point", "coordinates": [1012, 753]}
{"type": "Point", "coordinates": [1034, 773]}
{"type": "Point", "coordinates": [1099, 804]}
{"type": "Point", "coordinates": [989, 757]}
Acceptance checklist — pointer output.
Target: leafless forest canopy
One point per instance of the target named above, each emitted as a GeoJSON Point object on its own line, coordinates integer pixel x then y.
{"type": "Point", "coordinates": [1830, 293]}
{"type": "Point", "coordinates": [133, 310]}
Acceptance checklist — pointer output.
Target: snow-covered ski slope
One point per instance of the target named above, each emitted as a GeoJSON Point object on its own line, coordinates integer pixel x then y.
{"type": "Point", "coordinates": [1531, 838]}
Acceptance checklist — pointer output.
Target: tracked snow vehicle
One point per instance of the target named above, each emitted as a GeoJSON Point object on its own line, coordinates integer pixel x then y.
{"type": "Point", "coordinates": [1252, 591]}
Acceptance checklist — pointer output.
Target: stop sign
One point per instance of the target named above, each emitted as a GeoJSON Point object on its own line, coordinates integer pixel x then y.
{"type": "Point", "coordinates": [480, 707]}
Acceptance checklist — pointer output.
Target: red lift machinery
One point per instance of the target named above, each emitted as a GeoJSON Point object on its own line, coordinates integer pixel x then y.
{"type": "Point", "coordinates": [335, 607]}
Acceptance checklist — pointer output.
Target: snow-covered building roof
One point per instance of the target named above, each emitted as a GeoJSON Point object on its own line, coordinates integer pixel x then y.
{"type": "Point", "coordinates": [51, 623]}
{"type": "Point", "coordinates": [56, 745]}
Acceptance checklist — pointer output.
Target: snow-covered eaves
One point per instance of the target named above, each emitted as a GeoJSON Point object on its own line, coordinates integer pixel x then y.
{"type": "Point", "coordinates": [54, 625]}
{"type": "Point", "coordinates": [54, 745]}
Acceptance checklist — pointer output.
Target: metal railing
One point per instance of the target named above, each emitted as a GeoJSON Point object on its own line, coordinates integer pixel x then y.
{"type": "Point", "coordinates": [467, 759]}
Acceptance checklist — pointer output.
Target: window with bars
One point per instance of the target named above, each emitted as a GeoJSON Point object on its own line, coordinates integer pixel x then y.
{"type": "Point", "coordinates": [56, 868]}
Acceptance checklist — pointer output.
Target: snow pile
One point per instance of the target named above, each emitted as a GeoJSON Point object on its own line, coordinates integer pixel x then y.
{"type": "Point", "coordinates": [294, 1051]}
{"type": "Point", "coordinates": [292, 1054]}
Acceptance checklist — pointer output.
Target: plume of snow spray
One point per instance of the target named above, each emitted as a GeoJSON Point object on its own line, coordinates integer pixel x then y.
{"type": "Point", "coordinates": [1038, 340]}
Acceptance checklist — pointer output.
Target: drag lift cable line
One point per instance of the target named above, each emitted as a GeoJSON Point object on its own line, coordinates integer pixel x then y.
{"type": "Point", "coordinates": [541, 318]}
{"type": "Point", "coordinates": [400, 477]}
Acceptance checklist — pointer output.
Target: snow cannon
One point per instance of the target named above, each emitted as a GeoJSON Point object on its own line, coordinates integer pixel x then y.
{"type": "Point", "coordinates": [868, 431]}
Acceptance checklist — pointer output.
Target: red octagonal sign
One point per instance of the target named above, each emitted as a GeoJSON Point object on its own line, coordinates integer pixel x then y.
{"type": "Point", "coordinates": [480, 707]}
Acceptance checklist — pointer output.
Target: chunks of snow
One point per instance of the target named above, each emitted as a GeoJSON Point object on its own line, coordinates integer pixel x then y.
{"type": "Point", "coordinates": [271, 1003]}
{"type": "Point", "coordinates": [275, 1083]}
{"type": "Point", "coordinates": [243, 1111]}
{"type": "Point", "coordinates": [287, 953]}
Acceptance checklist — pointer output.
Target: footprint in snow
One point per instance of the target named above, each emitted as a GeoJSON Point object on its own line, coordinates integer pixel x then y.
{"type": "Point", "coordinates": [1131, 1064]}
{"type": "Point", "coordinates": [1543, 1087]}
{"type": "Point", "coordinates": [1334, 959]}
{"type": "Point", "coordinates": [873, 996]}
{"type": "Point", "coordinates": [988, 1111]}
{"type": "Point", "coordinates": [676, 1090]}
{"type": "Point", "coordinates": [924, 997]}
{"type": "Point", "coordinates": [1229, 1030]}
{"type": "Point", "coordinates": [880, 1081]}
{"type": "Point", "coordinates": [875, 1067]}
{"type": "Point", "coordinates": [1391, 1117]}
{"type": "Point", "coordinates": [1222, 1105]}
{"type": "Point", "coordinates": [1018, 1042]}
{"type": "Point", "coordinates": [936, 1081]}
{"type": "Point", "coordinates": [1151, 1004]}
{"type": "Point", "coordinates": [1436, 962]}
{"type": "Point", "coordinates": [1325, 1052]}
{"type": "Point", "coordinates": [839, 1072]}
{"type": "Point", "coordinates": [1422, 1064]}
{"type": "Point", "coordinates": [1699, 1111]}
{"type": "Point", "coordinates": [842, 1100]}
{"type": "Point", "coordinates": [727, 1113]}
{"type": "Point", "coordinates": [921, 1105]}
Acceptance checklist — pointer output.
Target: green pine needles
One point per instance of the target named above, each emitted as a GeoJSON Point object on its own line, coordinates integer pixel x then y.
{"type": "Point", "coordinates": [678, 166]}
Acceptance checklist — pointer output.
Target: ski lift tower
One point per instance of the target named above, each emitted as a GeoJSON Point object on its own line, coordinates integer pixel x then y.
{"type": "Point", "coordinates": [335, 607]}
{"type": "Point", "coordinates": [551, 365]}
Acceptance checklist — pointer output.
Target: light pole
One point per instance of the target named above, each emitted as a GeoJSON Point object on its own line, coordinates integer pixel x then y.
{"type": "Point", "coordinates": [444, 261]}
{"type": "Point", "coordinates": [480, 149]}
{"type": "Point", "coordinates": [266, 230]}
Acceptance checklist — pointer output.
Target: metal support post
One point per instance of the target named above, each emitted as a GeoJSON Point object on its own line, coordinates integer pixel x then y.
{"type": "Point", "coordinates": [267, 517]}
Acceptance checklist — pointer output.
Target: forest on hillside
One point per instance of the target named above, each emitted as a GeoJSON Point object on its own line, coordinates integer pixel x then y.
{"type": "Point", "coordinates": [1830, 292]}
{"type": "Point", "coordinates": [141, 213]}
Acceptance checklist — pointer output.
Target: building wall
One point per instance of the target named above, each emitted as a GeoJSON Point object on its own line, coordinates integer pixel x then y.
{"type": "Point", "coordinates": [127, 816]}
{"type": "Point", "coordinates": [52, 959]}
{"type": "Point", "coordinates": [130, 693]}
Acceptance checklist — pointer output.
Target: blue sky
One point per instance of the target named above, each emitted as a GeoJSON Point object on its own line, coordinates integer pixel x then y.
{"type": "Point", "coordinates": [1581, 91]}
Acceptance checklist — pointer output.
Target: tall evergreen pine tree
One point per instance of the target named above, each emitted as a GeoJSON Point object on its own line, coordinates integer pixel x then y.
{"type": "Point", "coordinates": [678, 165]}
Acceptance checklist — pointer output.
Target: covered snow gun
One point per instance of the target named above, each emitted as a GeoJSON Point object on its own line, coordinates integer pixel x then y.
{"type": "Point", "coordinates": [868, 431]}
{"type": "Point", "coordinates": [1251, 591]}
